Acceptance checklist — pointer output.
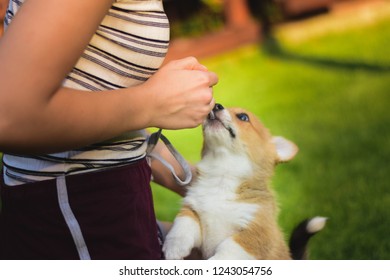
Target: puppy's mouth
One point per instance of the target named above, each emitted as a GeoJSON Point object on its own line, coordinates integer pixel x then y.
{"type": "Point", "coordinates": [212, 117]}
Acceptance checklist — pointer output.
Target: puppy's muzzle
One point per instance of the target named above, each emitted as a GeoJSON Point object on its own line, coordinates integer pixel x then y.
{"type": "Point", "coordinates": [217, 107]}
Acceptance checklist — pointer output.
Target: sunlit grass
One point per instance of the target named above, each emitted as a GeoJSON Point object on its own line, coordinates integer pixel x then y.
{"type": "Point", "coordinates": [330, 95]}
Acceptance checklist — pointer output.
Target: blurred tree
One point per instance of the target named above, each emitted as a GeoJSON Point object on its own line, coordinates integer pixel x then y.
{"type": "Point", "coordinates": [194, 17]}
{"type": "Point", "coordinates": [215, 5]}
{"type": "Point", "coordinates": [266, 12]}
{"type": "Point", "coordinates": [181, 9]}
{"type": "Point", "coordinates": [296, 8]}
{"type": "Point", "coordinates": [237, 13]}
{"type": "Point", "coordinates": [231, 13]}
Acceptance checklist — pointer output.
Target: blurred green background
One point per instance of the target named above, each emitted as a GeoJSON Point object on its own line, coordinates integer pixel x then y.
{"type": "Point", "coordinates": [327, 89]}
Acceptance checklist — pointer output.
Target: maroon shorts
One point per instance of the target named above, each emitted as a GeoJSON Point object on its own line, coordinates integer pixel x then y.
{"type": "Point", "coordinates": [100, 215]}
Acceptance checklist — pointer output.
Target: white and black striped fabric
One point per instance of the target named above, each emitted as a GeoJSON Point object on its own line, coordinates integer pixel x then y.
{"type": "Point", "coordinates": [128, 47]}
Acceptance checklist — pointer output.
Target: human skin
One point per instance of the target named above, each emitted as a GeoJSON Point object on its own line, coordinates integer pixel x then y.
{"type": "Point", "coordinates": [38, 115]}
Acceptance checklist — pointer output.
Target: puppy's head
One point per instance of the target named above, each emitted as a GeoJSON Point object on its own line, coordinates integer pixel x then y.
{"type": "Point", "coordinates": [237, 131]}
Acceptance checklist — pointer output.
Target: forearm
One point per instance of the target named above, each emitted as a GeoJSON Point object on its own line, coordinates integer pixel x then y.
{"type": "Point", "coordinates": [37, 115]}
{"type": "Point", "coordinates": [72, 119]}
{"type": "Point", "coordinates": [38, 50]}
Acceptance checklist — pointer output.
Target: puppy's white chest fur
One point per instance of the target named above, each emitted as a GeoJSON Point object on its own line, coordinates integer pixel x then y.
{"type": "Point", "coordinates": [214, 198]}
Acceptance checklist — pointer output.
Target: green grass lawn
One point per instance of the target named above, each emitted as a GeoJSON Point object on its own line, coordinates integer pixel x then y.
{"type": "Point", "coordinates": [329, 94]}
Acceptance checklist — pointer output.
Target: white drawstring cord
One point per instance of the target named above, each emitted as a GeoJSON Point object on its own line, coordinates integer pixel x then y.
{"type": "Point", "coordinates": [152, 142]}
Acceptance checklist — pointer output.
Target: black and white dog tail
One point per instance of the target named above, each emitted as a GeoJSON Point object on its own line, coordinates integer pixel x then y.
{"type": "Point", "coordinates": [301, 235]}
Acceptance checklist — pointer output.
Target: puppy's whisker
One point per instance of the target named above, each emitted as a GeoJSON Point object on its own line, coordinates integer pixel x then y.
{"type": "Point", "coordinates": [212, 115]}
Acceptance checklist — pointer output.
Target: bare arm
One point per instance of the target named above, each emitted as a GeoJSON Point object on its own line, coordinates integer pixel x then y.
{"type": "Point", "coordinates": [37, 115]}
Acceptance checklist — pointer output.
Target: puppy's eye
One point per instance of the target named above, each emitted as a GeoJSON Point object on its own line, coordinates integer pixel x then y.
{"type": "Point", "coordinates": [243, 117]}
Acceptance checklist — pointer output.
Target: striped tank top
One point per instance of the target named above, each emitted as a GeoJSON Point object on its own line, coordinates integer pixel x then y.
{"type": "Point", "coordinates": [128, 47]}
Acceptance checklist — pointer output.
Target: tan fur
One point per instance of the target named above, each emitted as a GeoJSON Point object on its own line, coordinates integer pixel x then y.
{"type": "Point", "coordinates": [258, 142]}
{"type": "Point", "coordinates": [186, 211]}
{"type": "Point", "coordinates": [262, 238]}
{"type": "Point", "coordinates": [254, 154]}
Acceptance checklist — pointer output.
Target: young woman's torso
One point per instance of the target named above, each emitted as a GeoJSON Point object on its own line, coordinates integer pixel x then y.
{"type": "Point", "coordinates": [128, 47]}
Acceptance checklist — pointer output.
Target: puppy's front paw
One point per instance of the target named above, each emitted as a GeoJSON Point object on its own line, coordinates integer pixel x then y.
{"type": "Point", "coordinates": [182, 238]}
{"type": "Point", "coordinates": [177, 248]}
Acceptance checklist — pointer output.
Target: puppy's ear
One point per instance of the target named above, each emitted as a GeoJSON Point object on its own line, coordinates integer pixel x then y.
{"type": "Point", "coordinates": [285, 149]}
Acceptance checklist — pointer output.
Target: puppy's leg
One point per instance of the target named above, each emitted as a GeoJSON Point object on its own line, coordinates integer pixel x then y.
{"type": "Point", "coordinates": [184, 235]}
{"type": "Point", "coordinates": [229, 249]}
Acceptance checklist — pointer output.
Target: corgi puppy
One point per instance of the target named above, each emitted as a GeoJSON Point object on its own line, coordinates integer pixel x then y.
{"type": "Point", "coordinates": [229, 211]}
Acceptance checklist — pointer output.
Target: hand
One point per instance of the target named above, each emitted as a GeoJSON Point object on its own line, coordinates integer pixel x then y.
{"type": "Point", "coordinates": [181, 94]}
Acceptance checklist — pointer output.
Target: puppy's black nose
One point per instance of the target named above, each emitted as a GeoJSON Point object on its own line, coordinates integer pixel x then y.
{"type": "Point", "coordinates": [218, 107]}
